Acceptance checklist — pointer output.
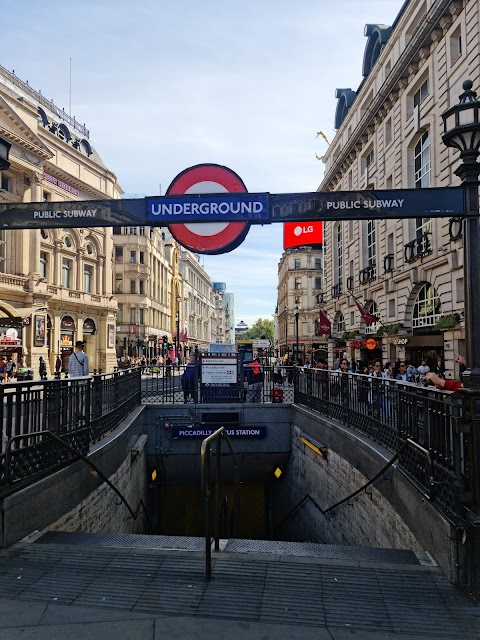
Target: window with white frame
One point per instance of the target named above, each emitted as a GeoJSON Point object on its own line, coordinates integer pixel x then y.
{"type": "Point", "coordinates": [371, 243]}
{"type": "Point", "coordinates": [88, 278]}
{"type": "Point", "coordinates": [133, 315]}
{"type": "Point", "coordinates": [422, 161]}
{"type": "Point", "coordinates": [456, 46]}
{"type": "Point", "coordinates": [420, 95]}
{"type": "Point", "coordinates": [67, 273]}
{"type": "Point", "coordinates": [427, 308]}
{"type": "Point", "coordinates": [372, 308]}
{"type": "Point", "coordinates": [339, 261]}
{"type": "Point", "coordinates": [297, 263]}
{"type": "Point", "coordinates": [44, 264]}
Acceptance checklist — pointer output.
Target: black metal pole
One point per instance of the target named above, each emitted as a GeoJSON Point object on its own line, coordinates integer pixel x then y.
{"type": "Point", "coordinates": [296, 338]}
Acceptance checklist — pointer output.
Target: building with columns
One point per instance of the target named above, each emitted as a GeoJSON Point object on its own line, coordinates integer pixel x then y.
{"type": "Point", "coordinates": [408, 272]}
{"type": "Point", "coordinates": [55, 285]}
{"type": "Point", "coordinates": [300, 292]}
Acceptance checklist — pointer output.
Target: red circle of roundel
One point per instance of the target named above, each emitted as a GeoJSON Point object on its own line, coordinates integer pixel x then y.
{"type": "Point", "coordinates": [233, 233]}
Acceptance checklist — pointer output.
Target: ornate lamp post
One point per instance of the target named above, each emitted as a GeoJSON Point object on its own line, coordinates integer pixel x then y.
{"type": "Point", "coordinates": [177, 319]}
{"type": "Point", "coordinates": [285, 315]}
{"type": "Point", "coordinates": [296, 311]}
{"type": "Point", "coordinates": [462, 131]}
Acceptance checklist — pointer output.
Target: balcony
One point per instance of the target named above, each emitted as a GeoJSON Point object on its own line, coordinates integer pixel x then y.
{"type": "Point", "coordinates": [337, 290]}
{"type": "Point", "coordinates": [418, 248]}
{"type": "Point", "coordinates": [369, 274]}
{"type": "Point", "coordinates": [388, 263]}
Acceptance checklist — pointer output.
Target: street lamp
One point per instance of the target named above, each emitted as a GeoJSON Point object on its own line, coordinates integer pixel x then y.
{"type": "Point", "coordinates": [177, 318]}
{"type": "Point", "coordinates": [296, 311]}
{"type": "Point", "coordinates": [285, 311]}
{"type": "Point", "coordinates": [462, 131]}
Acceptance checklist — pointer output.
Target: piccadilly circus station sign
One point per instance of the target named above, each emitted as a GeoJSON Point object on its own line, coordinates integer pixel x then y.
{"type": "Point", "coordinates": [208, 210]}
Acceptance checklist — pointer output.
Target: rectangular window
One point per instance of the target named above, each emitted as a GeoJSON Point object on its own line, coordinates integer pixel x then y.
{"type": "Point", "coordinates": [132, 231]}
{"type": "Point", "coordinates": [46, 196]}
{"type": "Point", "coordinates": [460, 294]}
{"type": "Point", "coordinates": [118, 284]}
{"type": "Point", "coordinates": [389, 182]}
{"type": "Point", "coordinates": [318, 264]}
{"type": "Point", "coordinates": [422, 162]}
{"type": "Point", "coordinates": [141, 286]}
{"type": "Point", "coordinates": [133, 315]}
{"type": "Point", "coordinates": [352, 318]}
{"type": "Point", "coordinates": [369, 158]}
{"type": "Point", "coordinates": [456, 45]}
{"type": "Point", "coordinates": [66, 273]}
{"type": "Point", "coordinates": [391, 308]}
{"type": "Point", "coordinates": [133, 286]}
{"type": "Point", "coordinates": [133, 257]}
{"type": "Point", "coordinates": [118, 255]}
{"type": "Point", "coordinates": [88, 278]}
{"type": "Point", "coordinates": [142, 257]}
{"type": "Point", "coordinates": [120, 314]}
{"type": "Point", "coordinates": [141, 316]}
{"type": "Point", "coordinates": [388, 131]}
{"type": "Point", "coordinates": [371, 243]}
{"type": "Point", "coordinates": [4, 183]}
{"type": "Point", "coordinates": [318, 283]}
{"type": "Point", "coordinates": [339, 270]}
{"type": "Point", "coordinates": [298, 283]}
{"type": "Point", "coordinates": [141, 231]}
{"type": "Point", "coordinates": [297, 263]}
{"type": "Point", "coordinates": [420, 95]}
{"type": "Point", "coordinates": [44, 264]}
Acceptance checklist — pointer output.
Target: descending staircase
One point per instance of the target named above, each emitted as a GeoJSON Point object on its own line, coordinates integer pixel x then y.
{"type": "Point", "coordinates": [303, 584]}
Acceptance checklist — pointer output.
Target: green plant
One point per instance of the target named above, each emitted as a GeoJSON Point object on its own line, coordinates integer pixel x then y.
{"type": "Point", "coordinates": [349, 335]}
{"type": "Point", "coordinates": [447, 322]}
{"type": "Point", "coordinates": [392, 329]}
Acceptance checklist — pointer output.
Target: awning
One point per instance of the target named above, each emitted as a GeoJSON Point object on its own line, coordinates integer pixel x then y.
{"type": "Point", "coordinates": [24, 312]}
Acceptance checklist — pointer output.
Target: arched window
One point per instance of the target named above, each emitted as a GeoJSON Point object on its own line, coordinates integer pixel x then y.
{"type": "Point", "coordinates": [85, 147]}
{"type": "Point", "coordinates": [42, 117]}
{"type": "Point", "coordinates": [427, 308]}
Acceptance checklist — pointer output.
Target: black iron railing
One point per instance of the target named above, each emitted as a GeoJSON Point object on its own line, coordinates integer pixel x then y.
{"type": "Point", "coordinates": [164, 385]}
{"type": "Point", "coordinates": [390, 413]}
{"type": "Point", "coordinates": [77, 410]}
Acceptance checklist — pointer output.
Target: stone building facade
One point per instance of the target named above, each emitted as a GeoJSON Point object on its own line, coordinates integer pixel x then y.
{"type": "Point", "coordinates": [300, 293]}
{"type": "Point", "coordinates": [408, 272]}
{"type": "Point", "coordinates": [55, 285]}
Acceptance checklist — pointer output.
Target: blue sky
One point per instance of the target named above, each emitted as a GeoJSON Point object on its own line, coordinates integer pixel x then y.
{"type": "Point", "coordinates": [166, 84]}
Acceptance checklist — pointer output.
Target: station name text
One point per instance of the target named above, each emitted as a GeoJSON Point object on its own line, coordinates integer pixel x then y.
{"type": "Point", "coordinates": [206, 208]}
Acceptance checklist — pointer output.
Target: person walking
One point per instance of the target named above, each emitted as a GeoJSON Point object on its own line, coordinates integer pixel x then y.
{"type": "Point", "coordinates": [189, 380]}
{"type": "Point", "coordinates": [78, 362]}
{"type": "Point", "coordinates": [42, 368]}
{"type": "Point", "coordinates": [253, 375]}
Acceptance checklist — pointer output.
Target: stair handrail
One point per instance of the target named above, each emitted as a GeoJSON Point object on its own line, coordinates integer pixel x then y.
{"type": "Point", "coordinates": [100, 474]}
{"type": "Point", "coordinates": [205, 456]}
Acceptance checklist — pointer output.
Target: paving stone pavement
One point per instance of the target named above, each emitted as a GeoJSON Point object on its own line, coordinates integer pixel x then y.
{"type": "Point", "coordinates": [63, 591]}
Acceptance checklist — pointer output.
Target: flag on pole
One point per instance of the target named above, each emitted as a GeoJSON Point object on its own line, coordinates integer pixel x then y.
{"type": "Point", "coordinates": [367, 317]}
{"type": "Point", "coordinates": [325, 326]}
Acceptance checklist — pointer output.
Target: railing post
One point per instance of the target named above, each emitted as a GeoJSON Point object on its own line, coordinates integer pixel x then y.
{"type": "Point", "coordinates": [206, 499]}
{"type": "Point", "coordinates": [217, 495]}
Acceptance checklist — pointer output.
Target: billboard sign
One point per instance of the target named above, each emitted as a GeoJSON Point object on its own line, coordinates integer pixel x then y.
{"type": "Point", "coordinates": [296, 234]}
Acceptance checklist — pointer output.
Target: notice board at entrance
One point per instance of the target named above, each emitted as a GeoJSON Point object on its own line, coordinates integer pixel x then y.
{"type": "Point", "coordinates": [219, 379]}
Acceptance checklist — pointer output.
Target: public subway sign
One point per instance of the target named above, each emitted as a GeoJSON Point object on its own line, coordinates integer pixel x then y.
{"type": "Point", "coordinates": [208, 210]}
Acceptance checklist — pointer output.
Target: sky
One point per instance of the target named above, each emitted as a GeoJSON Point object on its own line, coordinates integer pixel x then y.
{"type": "Point", "coordinates": [163, 85]}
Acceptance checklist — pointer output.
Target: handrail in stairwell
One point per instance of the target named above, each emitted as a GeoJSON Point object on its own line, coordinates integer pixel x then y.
{"type": "Point", "coordinates": [205, 455]}
{"type": "Point", "coordinates": [352, 495]}
{"type": "Point", "coordinates": [133, 513]}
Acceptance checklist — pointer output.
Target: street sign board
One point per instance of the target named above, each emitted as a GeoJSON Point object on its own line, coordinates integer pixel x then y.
{"type": "Point", "coordinates": [259, 343]}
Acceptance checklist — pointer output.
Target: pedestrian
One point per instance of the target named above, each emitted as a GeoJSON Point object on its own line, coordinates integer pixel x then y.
{"type": "Point", "coordinates": [78, 362]}
{"type": "Point", "coordinates": [42, 368]}
{"type": "Point", "coordinates": [10, 369]}
{"type": "Point", "coordinates": [253, 376]}
{"type": "Point", "coordinates": [189, 380]}
{"type": "Point", "coordinates": [423, 369]}
{"type": "Point", "coordinates": [168, 367]}
{"type": "Point", "coordinates": [58, 366]}
{"type": "Point", "coordinates": [3, 364]}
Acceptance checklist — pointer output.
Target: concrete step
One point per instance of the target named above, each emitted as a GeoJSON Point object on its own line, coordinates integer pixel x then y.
{"type": "Point", "coordinates": [278, 595]}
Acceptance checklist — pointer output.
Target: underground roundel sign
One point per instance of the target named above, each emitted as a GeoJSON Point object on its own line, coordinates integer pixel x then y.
{"type": "Point", "coordinates": [208, 237]}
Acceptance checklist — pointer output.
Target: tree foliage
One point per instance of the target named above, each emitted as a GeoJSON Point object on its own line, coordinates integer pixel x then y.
{"type": "Point", "coordinates": [261, 329]}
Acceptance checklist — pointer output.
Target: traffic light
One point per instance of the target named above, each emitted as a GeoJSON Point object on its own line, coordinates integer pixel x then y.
{"type": "Point", "coordinates": [165, 341]}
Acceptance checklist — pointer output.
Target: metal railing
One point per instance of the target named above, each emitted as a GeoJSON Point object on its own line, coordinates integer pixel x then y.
{"type": "Point", "coordinates": [80, 411]}
{"type": "Point", "coordinates": [205, 460]}
{"type": "Point", "coordinates": [164, 385]}
{"type": "Point", "coordinates": [392, 412]}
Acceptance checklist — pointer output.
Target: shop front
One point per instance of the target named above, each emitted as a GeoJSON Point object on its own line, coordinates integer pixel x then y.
{"type": "Point", "coordinates": [428, 347]}
{"type": "Point", "coordinates": [11, 343]}
{"type": "Point", "coordinates": [89, 331]}
{"type": "Point", "coordinates": [66, 346]}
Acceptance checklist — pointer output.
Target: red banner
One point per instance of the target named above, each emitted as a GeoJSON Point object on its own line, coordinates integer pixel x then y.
{"type": "Point", "coordinates": [367, 317]}
{"type": "Point", "coordinates": [296, 234]}
{"type": "Point", "coordinates": [325, 326]}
